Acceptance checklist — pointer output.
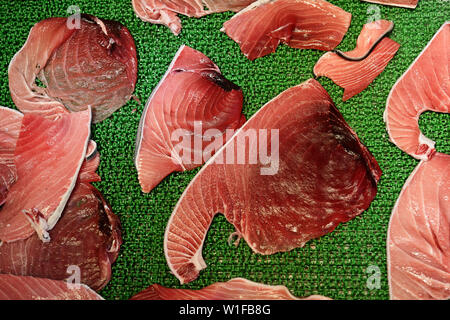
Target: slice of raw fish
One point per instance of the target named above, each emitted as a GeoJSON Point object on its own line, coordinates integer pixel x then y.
{"type": "Point", "coordinates": [165, 12]}
{"type": "Point", "coordinates": [234, 289]}
{"type": "Point", "coordinates": [30, 288]}
{"type": "Point", "coordinates": [190, 111]}
{"type": "Point", "coordinates": [85, 242]}
{"type": "Point", "coordinates": [10, 124]}
{"type": "Point", "coordinates": [355, 76]}
{"type": "Point", "coordinates": [90, 64]}
{"type": "Point", "coordinates": [419, 234]}
{"type": "Point", "coordinates": [302, 24]}
{"type": "Point", "coordinates": [316, 175]}
{"type": "Point", "coordinates": [396, 3]}
{"type": "Point", "coordinates": [48, 157]}
{"type": "Point", "coordinates": [424, 86]}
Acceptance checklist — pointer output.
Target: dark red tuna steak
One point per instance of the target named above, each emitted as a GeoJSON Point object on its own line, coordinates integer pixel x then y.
{"type": "Point", "coordinates": [93, 65]}
{"type": "Point", "coordinates": [30, 288]}
{"type": "Point", "coordinates": [318, 175]}
{"type": "Point", "coordinates": [234, 289]}
{"type": "Point", "coordinates": [165, 12]}
{"type": "Point", "coordinates": [86, 239]}
{"type": "Point", "coordinates": [186, 118]}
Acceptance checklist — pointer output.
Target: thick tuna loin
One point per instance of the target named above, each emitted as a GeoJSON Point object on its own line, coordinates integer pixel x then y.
{"type": "Point", "coordinates": [318, 175]}
{"type": "Point", "coordinates": [355, 76]}
{"type": "Point", "coordinates": [165, 12]}
{"type": "Point", "coordinates": [424, 86]}
{"type": "Point", "coordinates": [187, 114]}
{"type": "Point", "coordinates": [234, 289]}
{"type": "Point", "coordinates": [418, 243]}
{"type": "Point", "coordinates": [302, 24]}
{"type": "Point", "coordinates": [90, 64]}
{"type": "Point", "coordinates": [29, 288]}
{"type": "Point", "coordinates": [48, 157]}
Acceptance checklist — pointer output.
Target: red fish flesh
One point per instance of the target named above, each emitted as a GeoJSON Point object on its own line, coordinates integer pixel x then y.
{"type": "Point", "coordinates": [165, 12]}
{"type": "Point", "coordinates": [87, 237]}
{"type": "Point", "coordinates": [302, 24]}
{"type": "Point", "coordinates": [10, 124]}
{"type": "Point", "coordinates": [29, 288]}
{"type": "Point", "coordinates": [419, 234]}
{"type": "Point", "coordinates": [234, 289]}
{"type": "Point", "coordinates": [318, 174]}
{"type": "Point", "coordinates": [48, 157]}
{"type": "Point", "coordinates": [396, 3]}
{"type": "Point", "coordinates": [355, 76]}
{"type": "Point", "coordinates": [100, 73]}
{"type": "Point", "coordinates": [424, 86]}
{"type": "Point", "coordinates": [190, 110]}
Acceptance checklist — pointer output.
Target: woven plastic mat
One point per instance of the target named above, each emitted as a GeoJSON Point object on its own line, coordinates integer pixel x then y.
{"type": "Point", "coordinates": [350, 262]}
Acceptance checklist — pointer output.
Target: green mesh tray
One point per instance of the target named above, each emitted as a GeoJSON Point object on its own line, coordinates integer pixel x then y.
{"type": "Point", "coordinates": [334, 265]}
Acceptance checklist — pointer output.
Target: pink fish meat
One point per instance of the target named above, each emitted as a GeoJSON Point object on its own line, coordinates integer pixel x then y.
{"type": "Point", "coordinates": [318, 174]}
{"type": "Point", "coordinates": [48, 157]}
{"type": "Point", "coordinates": [90, 64]}
{"type": "Point", "coordinates": [302, 24]}
{"type": "Point", "coordinates": [190, 110]}
{"type": "Point", "coordinates": [10, 124]}
{"type": "Point", "coordinates": [424, 86]}
{"type": "Point", "coordinates": [30, 288]}
{"type": "Point", "coordinates": [165, 12]}
{"type": "Point", "coordinates": [396, 3]}
{"type": "Point", "coordinates": [355, 76]}
{"type": "Point", "coordinates": [234, 289]}
{"type": "Point", "coordinates": [419, 234]}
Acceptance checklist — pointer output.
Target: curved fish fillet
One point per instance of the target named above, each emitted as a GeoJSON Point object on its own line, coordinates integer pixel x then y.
{"type": "Point", "coordinates": [187, 114]}
{"type": "Point", "coordinates": [418, 243]}
{"type": "Point", "coordinates": [302, 24]}
{"type": "Point", "coordinates": [234, 289]}
{"type": "Point", "coordinates": [424, 86]}
{"type": "Point", "coordinates": [355, 76]}
{"type": "Point", "coordinates": [285, 192]}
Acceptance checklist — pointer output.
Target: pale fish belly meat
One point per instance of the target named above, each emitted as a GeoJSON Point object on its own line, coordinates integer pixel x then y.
{"type": "Point", "coordinates": [318, 175]}
{"type": "Point", "coordinates": [302, 24]}
{"type": "Point", "coordinates": [48, 158]}
{"type": "Point", "coordinates": [355, 76]}
{"type": "Point", "coordinates": [411, 4]}
{"type": "Point", "coordinates": [84, 242]}
{"type": "Point", "coordinates": [165, 11]}
{"type": "Point", "coordinates": [30, 288]}
{"type": "Point", "coordinates": [424, 86]}
{"type": "Point", "coordinates": [186, 117]}
{"type": "Point", "coordinates": [234, 289]}
{"type": "Point", "coordinates": [90, 64]}
{"type": "Point", "coordinates": [10, 124]}
{"type": "Point", "coordinates": [418, 243]}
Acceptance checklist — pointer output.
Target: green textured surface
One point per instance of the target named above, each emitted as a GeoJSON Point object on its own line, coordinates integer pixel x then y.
{"type": "Point", "coordinates": [334, 265]}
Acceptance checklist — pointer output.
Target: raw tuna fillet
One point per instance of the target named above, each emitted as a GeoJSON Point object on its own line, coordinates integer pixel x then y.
{"type": "Point", "coordinates": [234, 289]}
{"type": "Point", "coordinates": [396, 3]}
{"type": "Point", "coordinates": [93, 64]}
{"type": "Point", "coordinates": [29, 288]}
{"type": "Point", "coordinates": [86, 240]}
{"type": "Point", "coordinates": [424, 86]}
{"type": "Point", "coordinates": [318, 174]}
{"type": "Point", "coordinates": [48, 157]}
{"type": "Point", "coordinates": [419, 234]}
{"type": "Point", "coordinates": [355, 76]}
{"type": "Point", "coordinates": [302, 24]}
{"type": "Point", "coordinates": [165, 12]}
{"type": "Point", "coordinates": [10, 124]}
{"type": "Point", "coordinates": [186, 117]}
